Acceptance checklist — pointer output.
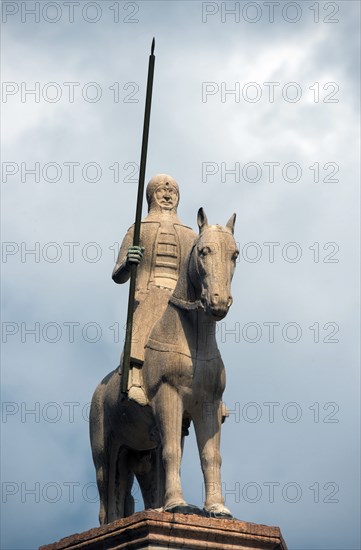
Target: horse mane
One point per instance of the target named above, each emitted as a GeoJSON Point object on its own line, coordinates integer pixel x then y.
{"type": "Point", "coordinates": [184, 290]}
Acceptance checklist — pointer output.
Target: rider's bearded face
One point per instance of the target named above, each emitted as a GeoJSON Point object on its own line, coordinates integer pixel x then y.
{"type": "Point", "coordinates": [166, 196]}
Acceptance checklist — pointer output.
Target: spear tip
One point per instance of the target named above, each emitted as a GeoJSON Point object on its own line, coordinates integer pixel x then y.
{"type": "Point", "coordinates": [153, 46]}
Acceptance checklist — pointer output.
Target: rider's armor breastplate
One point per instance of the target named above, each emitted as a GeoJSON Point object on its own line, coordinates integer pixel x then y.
{"type": "Point", "coordinates": [166, 261]}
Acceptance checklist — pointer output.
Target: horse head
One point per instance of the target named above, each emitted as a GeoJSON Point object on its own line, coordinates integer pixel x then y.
{"type": "Point", "coordinates": [212, 265]}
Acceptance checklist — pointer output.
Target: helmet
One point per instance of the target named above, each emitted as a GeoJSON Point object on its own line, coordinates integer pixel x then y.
{"type": "Point", "coordinates": [157, 181]}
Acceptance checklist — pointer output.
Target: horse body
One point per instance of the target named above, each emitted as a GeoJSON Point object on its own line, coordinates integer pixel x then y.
{"type": "Point", "coordinates": [184, 379]}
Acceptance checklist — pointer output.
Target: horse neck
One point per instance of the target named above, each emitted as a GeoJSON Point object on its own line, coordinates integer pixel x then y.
{"type": "Point", "coordinates": [189, 294]}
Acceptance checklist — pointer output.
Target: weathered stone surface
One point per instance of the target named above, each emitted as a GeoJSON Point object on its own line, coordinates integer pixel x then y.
{"type": "Point", "coordinates": [183, 375]}
{"type": "Point", "coordinates": [165, 241]}
{"type": "Point", "coordinates": [152, 530]}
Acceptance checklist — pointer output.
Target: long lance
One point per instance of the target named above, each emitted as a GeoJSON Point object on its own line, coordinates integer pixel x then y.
{"type": "Point", "coordinates": [138, 215]}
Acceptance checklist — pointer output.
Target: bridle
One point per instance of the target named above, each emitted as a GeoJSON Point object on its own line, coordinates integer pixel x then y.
{"type": "Point", "coordinates": [190, 305]}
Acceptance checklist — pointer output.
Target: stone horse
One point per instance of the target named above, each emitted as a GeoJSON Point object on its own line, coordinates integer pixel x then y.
{"type": "Point", "coordinates": [184, 379]}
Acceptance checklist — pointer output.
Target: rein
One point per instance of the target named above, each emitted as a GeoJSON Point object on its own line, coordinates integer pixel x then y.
{"type": "Point", "coordinates": [185, 304]}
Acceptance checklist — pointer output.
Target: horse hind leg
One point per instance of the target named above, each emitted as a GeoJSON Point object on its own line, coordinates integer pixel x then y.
{"type": "Point", "coordinates": [129, 504]}
{"type": "Point", "coordinates": [115, 505]}
{"type": "Point", "coordinates": [105, 465]}
{"type": "Point", "coordinates": [151, 478]}
{"type": "Point", "coordinates": [124, 500]}
{"type": "Point", "coordinates": [101, 478]}
{"type": "Point", "coordinates": [100, 459]}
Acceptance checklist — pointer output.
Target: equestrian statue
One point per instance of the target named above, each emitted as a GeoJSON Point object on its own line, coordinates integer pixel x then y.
{"type": "Point", "coordinates": [177, 374]}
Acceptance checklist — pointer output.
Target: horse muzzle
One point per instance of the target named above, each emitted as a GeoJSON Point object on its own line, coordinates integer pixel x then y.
{"type": "Point", "coordinates": [215, 305]}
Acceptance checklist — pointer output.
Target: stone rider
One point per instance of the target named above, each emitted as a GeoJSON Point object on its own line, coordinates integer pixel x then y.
{"type": "Point", "coordinates": [164, 244]}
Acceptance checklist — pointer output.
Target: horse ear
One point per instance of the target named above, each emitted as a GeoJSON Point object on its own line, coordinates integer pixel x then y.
{"type": "Point", "coordinates": [201, 220]}
{"type": "Point", "coordinates": [231, 222]}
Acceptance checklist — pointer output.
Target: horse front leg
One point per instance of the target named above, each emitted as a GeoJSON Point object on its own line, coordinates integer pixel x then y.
{"type": "Point", "coordinates": [207, 424]}
{"type": "Point", "coordinates": [168, 410]}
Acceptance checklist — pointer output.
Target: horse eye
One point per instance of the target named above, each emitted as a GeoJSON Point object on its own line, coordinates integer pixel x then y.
{"type": "Point", "coordinates": [204, 251]}
{"type": "Point", "coordinates": [235, 255]}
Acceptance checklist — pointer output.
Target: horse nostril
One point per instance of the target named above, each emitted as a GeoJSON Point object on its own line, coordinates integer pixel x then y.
{"type": "Point", "coordinates": [215, 299]}
{"type": "Point", "coordinates": [230, 301]}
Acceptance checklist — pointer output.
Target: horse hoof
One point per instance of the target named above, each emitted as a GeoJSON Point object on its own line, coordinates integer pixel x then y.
{"type": "Point", "coordinates": [185, 509]}
{"type": "Point", "coordinates": [218, 512]}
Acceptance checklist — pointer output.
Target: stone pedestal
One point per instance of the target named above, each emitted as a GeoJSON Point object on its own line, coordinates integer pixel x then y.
{"type": "Point", "coordinates": [152, 530]}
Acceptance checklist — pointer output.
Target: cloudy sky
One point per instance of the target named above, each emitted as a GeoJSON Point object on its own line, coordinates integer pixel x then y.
{"type": "Point", "coordinates": [255, 111]}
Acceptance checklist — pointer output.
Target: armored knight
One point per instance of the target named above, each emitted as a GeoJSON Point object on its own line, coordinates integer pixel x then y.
{"type": "Point", "coordinates": [164, 244]}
